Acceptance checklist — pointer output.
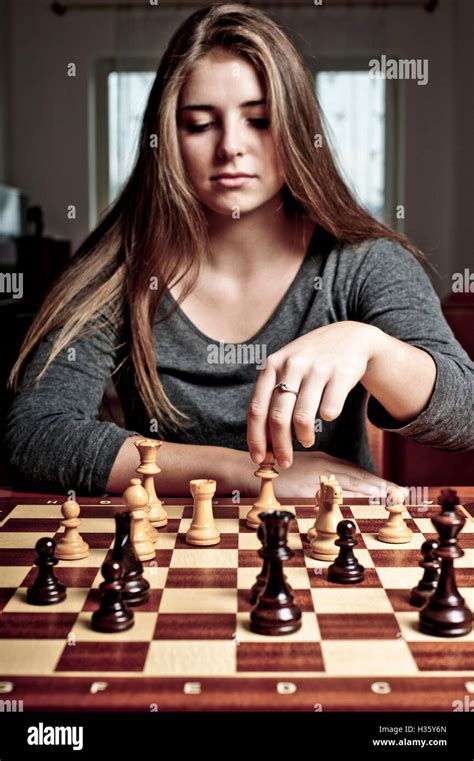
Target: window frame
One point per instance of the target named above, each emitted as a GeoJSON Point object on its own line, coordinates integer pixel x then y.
{"type": "Point", "coordinates": [394, 163]}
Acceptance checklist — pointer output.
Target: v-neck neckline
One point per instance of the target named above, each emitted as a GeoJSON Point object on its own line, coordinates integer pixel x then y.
{"type": "Point", "coordinates": [274, 314]}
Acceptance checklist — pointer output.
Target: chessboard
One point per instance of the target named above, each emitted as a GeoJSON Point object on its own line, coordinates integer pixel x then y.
{"type": "Point", "coordinates": [191, 649]}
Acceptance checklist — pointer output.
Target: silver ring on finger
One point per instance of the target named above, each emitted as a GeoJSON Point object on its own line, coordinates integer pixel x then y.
{"type": "Point", "coordinates": [284, 387]}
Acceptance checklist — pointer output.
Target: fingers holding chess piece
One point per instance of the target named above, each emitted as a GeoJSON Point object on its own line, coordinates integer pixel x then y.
{"type": "Point", "coordinates": [203, 531]}
{"type": "Point", "coordinates": [46, 588]}
{"type": "Point", "coordinates": [71, 545]}
{"type": "Point", "coordinates": [395, 530]}
{"type": "Point", "coordinates": [346, 569]}
{"type": "Point", "coordinates": [266, 499]}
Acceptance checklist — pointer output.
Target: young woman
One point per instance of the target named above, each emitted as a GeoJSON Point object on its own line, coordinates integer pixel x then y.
{"type": "Point", "coordinates": [235, 239]}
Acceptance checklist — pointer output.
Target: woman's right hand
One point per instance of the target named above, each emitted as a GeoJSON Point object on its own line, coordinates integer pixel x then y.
{"type": "Point", "coordinates": [302, 478]}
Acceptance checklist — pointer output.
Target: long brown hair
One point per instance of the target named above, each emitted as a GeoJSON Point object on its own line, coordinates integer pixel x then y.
{"type": "Point", "coordinates": [156, 231]}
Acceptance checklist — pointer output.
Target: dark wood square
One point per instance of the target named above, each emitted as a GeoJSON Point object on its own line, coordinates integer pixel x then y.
{"type": "Point", "coordinates": [358, 626]}
{"type": "Point", "coordinates": [104, 656]}
{"type": "Point", "coordinates": [444, 655]}
{"type": "Point", "coordinates": [279, 656]}
{"type": "Point", "coordinates": [46, 625]}
{"type": "Point", "coordinates": [196, 625]}
{"type": "Point", "coordinates": [202, 578]}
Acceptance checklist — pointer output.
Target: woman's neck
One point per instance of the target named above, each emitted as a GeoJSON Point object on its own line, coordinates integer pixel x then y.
{"type": "Point", "coordinates": [264, 238]}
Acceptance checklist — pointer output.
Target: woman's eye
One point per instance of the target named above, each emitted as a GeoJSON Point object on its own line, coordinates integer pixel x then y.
{"type": "Point", "coordinates": [258, 123]}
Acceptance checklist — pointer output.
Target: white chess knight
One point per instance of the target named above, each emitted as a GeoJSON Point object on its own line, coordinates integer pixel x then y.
{"type": "Point", "coordinates": [395, 530]}
{"type": "Point", "coordinates": [329, 515]}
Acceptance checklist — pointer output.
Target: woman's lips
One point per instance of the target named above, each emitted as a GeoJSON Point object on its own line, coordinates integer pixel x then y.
{"type": "Point", "coordinates": [233, 182]}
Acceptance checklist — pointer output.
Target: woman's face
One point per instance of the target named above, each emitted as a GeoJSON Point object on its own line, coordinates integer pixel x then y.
{"type": "Point", "coordinates": [220, 131]}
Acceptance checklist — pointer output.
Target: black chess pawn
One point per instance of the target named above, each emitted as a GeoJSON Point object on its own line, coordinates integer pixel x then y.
{"type": "Point", "coordinates": [275, 612]}
{"type": "Point", "coordinates": [46, 588]}
{"type": "Point", "coordinates": [346, 569]}
{"type": "Point", "coordinates": [113, 615]}
{"type": "Point", "coordinates": [136, 589]}
{"type": "Point", "coordinates": [446, 613]}
{"type": "Point", "coordinates": [420, 594]}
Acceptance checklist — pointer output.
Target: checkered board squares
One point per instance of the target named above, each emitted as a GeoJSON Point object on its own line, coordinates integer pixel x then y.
{"type": "Point", "coordinates": [196, 621]}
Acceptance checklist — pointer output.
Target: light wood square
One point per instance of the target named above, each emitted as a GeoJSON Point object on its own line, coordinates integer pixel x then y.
{"type": "Point", "coordinates": [380, 658]}
{"type": "Point", "coordinates": [31, 658]}
{"type": "Point", "coordinates": [76, 597]}
{"type": "Point", "coordinates": [353, 600]}
{"type": "Point", "coordinates": [399, 578]}
{"type": "Point", "coordinates": [174, 511]}
{"type": "Point", "coordinates": [219, 600]}
{"type": "Point", "coordinates": [12, 576]}
{"type": "Point", "coordinates": [192, 658]}
{"type": "Point", "coordinates": [203, 557]}
{"type": "Point", "coordinates": [24, 540]}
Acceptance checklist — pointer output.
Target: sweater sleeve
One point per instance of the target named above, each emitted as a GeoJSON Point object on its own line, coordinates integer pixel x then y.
{"type": "Point", "coordinates": [392, 291]}
{"type": "Point", "coordinates": [53, 438]}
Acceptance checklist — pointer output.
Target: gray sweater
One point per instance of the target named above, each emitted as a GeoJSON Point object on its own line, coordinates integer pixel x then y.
{"type": "Point", "coordinates": [55, 440]}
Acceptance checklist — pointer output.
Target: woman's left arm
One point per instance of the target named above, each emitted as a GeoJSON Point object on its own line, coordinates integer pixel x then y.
{"type": "Point", "coordinates": [399, 347]}
{"type": "Point", "coordinates": [390, 363]}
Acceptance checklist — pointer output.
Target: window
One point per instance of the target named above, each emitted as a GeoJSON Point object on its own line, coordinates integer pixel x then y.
{"type": "Point", "coordinates": [354, 107]}
{"type": "Point", "coordinates": [362, 116]}
{"type": "Point", "coordinates": [121, 93]}
{"type": "Point", "coordinates": [127, 97]}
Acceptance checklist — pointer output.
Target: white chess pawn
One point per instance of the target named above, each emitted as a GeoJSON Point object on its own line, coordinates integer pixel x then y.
{"type": "Point", "coordinates": [71, 545]}
{"type": "Point", "coordinates": [395, 530]}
